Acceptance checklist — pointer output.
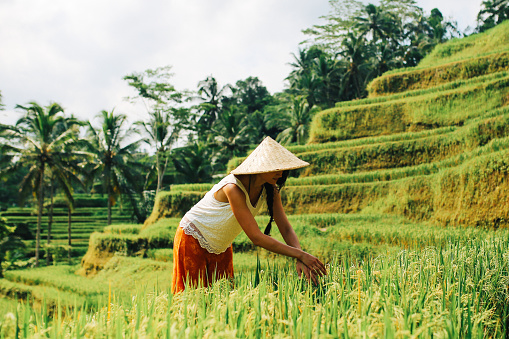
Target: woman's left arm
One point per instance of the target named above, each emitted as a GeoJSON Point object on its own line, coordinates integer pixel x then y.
{"type": "Point", "coordinates": [285, 228]}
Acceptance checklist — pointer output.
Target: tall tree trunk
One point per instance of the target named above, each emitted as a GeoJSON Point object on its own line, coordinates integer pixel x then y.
{"type": "Point", "coordinates": [159, 174]}
{"type": "Point", "coordinates": [109, 208]}
{"type": "Point", "coordinates": [50, 223]}
{"type": "Point", "coordinates": [39, 216]}
{"type": "Point", "coordinates": [69, 222]}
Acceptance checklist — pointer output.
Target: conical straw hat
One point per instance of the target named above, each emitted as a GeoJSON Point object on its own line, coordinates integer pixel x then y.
{"type": "Point", "coordinates": [269, 156]}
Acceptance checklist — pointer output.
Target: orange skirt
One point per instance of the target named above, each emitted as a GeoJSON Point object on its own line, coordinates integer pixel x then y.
{"type": "Point", "coordinates": [195, 266]}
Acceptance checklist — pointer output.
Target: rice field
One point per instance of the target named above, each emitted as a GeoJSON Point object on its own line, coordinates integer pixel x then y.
{"type": "Point", "coordinates": [387, 277]}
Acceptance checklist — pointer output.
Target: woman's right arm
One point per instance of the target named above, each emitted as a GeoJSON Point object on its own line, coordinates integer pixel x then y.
{"type": "Point", "coordinates": [237, 200]}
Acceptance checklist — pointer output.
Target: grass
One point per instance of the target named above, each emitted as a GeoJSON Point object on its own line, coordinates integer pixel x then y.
{"type": "Point", "coordinates": [418, 79]}
{"type": "Point", "coordinates": [433, 110]}
{"type": "Point", "coordinates": [416, 280]}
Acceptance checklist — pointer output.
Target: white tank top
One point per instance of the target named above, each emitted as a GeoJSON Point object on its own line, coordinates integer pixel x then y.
{"type": "Point", "coordinates": [212, 222]}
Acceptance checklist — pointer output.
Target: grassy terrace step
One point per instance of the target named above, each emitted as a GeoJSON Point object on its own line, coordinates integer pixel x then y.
{"type": "Point", "coordinates": [51, 295]}
{"type": "Point", "coordinates": [495, 40]}
{"type": "Point", "coordinates": [61, 228]}
{"type": "Point", "coordinates": [413, 79]}
{"type": "Point", "coordinates": [78, 226]}
{"type": "Point", "coordinates": [398, 173]}
{"type": "Point", "coordinates": [377, 175]}
{"type": "Point", "coordinates": [419, 92]}
{"type": "Point", "coordinates": [407, 153]}
{"type": "Point", "coordinates": [54, 283]}
{"type": "Point", "coordinates": [59, 219]}
{"type": "Point", "coordinates": [448, 108]}
{"type": "Point", "coordinates": [62, 235]}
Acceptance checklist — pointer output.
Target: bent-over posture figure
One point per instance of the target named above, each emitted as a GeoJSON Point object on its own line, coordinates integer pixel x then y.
{"type": "Point", "coordinates": [202, 249]}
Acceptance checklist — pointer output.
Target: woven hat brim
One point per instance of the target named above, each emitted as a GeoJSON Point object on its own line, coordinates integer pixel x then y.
{"type": "Point", "coordinates": [269, 156]}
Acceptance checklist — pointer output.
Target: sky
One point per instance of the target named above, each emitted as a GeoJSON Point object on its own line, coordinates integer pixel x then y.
{"type": "Point", "coordinates": [76, 52]}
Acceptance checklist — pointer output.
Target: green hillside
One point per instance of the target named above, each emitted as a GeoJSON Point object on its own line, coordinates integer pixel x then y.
{"type": "Point", "coordinates": [429, 143]}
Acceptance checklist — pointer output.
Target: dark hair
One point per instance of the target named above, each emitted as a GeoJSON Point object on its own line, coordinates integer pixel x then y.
{"type": "Point", "coordinates": [269, 191]}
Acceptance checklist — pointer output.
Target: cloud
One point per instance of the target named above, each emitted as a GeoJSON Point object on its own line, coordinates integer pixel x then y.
{"type": "Point", "coordinates": [77, 52]}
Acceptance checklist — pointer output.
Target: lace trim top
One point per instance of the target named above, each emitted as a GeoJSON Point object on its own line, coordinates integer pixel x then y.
{"type": "Point", "coordinates": [212, 222]}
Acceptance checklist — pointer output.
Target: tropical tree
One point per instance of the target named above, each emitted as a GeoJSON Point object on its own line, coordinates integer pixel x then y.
{"type": "Point", "coordinates": [162, 134]}
{"type": "Point", "coordinates": [294, 119]}
{"type": "Point", "coordinates": [492, 13]}
{"type": "Point", "coordinates": [192, 162]}
{"type": "Point", "coordinates": [250, 95]}
{"type": "Point", "coordinates": [153, 87]}
{"type": "Point", "coordinates": [375, 23]}
{"type": "Point", "coordinates": [160, 99]}
{"type": "Point", "coordinates": [316, 75]}
{"type": "Point", "coordinates": [364, 41]}
{"type": "Point", "coordinates": [114, 161]}
{"type": "Point", "coordinates": [231, 131]}
{"type": "Point", "coordinates": [212, 95]}
{"type": "Point", "coordinates": [356, 67]}
{"type": "Point", "coordinates": [41, 142]}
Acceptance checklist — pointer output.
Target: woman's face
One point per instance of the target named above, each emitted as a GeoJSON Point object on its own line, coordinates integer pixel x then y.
{"type": "Point", "coordinates": [271, 177]}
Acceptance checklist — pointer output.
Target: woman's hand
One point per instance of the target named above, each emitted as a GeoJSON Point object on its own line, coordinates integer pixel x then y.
{"type": "Point", "coordinates": [312, 268]}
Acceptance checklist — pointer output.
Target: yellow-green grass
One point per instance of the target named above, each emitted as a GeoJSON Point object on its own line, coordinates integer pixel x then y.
{"type": "Point", "coordinates": [419, 92]}
{"type": "Point", "coordinates": [495, 40]}
{"type": "Point", "coordinates": [191, 187]}
{"type": "Point", "coordinates": [406, 153]}
{"type": "Point", "coordinates": [172, 204]}
{"type": "Point", "coordinates": [125, 276]}
{"type": "Point", "coordinates": [399, 173]}
{"type": "Point", "coordinates": [433, 110]}
{"type": "Point", "coordinates": [455, 287]}
{"type": "Point", "coordinates": [472, 193]}
{"type": "Point", "coordinates": [7, 306]}
{"type": "Point", "coordinates": [127, 240]}
{"type": "Point", "coordinates": [413, 79]}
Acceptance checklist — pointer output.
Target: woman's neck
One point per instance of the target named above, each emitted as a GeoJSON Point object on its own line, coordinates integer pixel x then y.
{"type": "Point", "coordinates": [251, 182]}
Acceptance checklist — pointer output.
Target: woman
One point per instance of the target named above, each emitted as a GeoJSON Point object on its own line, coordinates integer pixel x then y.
{"type": "Point", "coordinates": [202, 250]}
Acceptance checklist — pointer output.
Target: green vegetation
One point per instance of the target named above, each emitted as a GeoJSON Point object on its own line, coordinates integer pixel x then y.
{"type": "Point", "coordinates": [386, 275]}
{"type": "Point", "coordinates": [405, 199]}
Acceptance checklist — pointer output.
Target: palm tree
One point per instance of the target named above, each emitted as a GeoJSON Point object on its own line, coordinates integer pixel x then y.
{"type": "Point", "coordinates": [356, 67]}
{"type": "Point", "coordinates": [375, 23]}
{"type": "Point", "coordinates": [41, 140]}
{"type": "Point", "coordinates": [294, 119]}
{"type": "Point", "coordinates": [163, 133]}
{"type": "Point", "coordinates": [212, 95]}
{"type": "Point", "coordinates": [231, 134]}
{"type": "Point", "coordinates": [114, 160]}
{"type": "Point", "coordinates": [192, 162]}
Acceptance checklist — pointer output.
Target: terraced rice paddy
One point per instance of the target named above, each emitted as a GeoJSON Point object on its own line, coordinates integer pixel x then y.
{"type": "Point", "coordinates": [85, 220]}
